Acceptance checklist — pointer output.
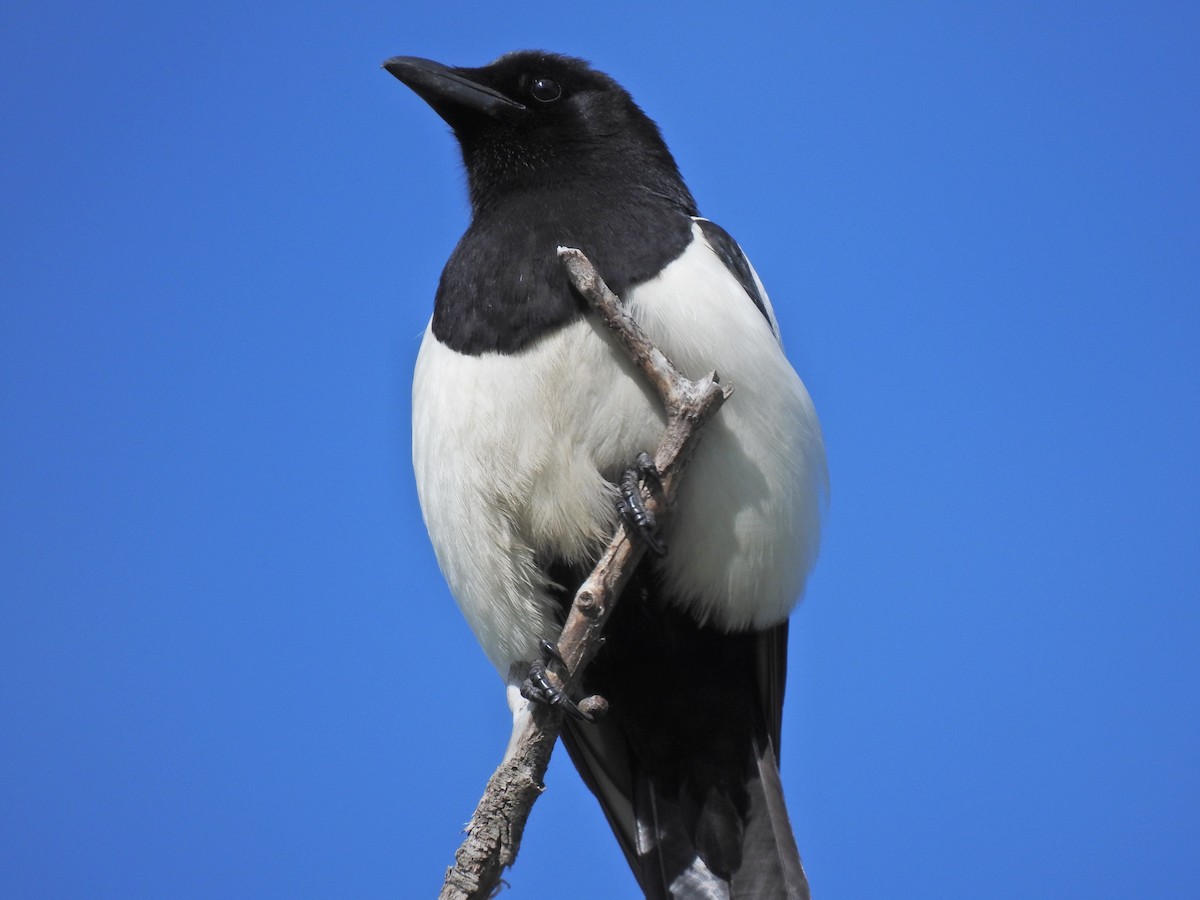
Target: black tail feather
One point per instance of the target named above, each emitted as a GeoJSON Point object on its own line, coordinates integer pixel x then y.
{"type": "Point", "coordinates": [685, 765]}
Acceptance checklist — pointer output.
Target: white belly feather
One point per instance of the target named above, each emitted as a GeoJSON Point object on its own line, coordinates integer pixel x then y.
{"type": "Point", "coordinates": [514, 457]}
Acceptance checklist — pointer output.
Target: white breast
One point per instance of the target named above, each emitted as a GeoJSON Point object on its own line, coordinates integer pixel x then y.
{"type": "Point", "coordinates": [514, 458]}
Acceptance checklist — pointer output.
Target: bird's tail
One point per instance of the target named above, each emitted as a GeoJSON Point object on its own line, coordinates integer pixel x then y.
{"type": "Point", "coordinates": [715, 836]}
{"type": "Point", "coordinates": [686, 763]}
{"type": "Point", "coordinates": [720, 841]}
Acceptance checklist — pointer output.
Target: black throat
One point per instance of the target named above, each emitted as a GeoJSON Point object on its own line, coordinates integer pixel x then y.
{"type": "Point", "coordinates": [503, 286]}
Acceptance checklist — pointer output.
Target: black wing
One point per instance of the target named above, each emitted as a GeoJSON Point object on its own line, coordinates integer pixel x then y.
{"type": "Point", "coordinates": [735, 261]}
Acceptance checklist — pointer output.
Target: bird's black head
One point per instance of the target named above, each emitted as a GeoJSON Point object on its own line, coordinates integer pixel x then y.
{"type": "Point", "coordinates": [534, 120]}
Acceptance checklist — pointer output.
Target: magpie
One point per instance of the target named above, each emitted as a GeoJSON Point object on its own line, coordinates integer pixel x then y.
{"type": "Point", "coordinates": [525, 417]}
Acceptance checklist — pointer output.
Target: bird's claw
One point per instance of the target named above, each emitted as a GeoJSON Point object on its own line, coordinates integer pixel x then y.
{"type": "Point", "coordinates": [632, 509]}
{"type": "Point", "coordinates": [550, 651]}
{"type": "Point", "coordinates": [540, 689]}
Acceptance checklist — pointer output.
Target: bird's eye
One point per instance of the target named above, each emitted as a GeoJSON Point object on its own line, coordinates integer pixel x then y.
{"type": "Point", "coordinates": [544, 90]}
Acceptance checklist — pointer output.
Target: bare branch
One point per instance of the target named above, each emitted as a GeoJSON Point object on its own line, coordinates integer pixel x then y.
{"type": "Point", "coordinates": [494, 832]}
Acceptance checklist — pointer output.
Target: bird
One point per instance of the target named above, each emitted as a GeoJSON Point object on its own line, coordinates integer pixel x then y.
{"type": "Point", "coordinates": [525, 417]}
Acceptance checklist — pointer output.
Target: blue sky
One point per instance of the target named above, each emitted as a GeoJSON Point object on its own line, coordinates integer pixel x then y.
{"type": "Point", "coordinates": [228, 664]}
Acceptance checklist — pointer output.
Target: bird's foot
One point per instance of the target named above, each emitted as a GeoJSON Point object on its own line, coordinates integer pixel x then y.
{"type": "Point", "coordinates": [540, 689]}
{"type": "Point", "coordinates": [632, 509]}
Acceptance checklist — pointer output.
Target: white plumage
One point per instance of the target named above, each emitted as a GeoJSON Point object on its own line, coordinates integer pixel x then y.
{"type": "Point", "coordinates": [516, 455]}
